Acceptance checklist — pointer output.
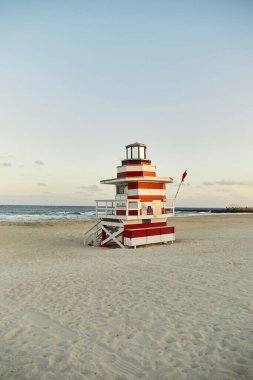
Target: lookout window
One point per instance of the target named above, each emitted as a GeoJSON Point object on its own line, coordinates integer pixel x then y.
{"type": "Point", "coordinates": [136, 152]}
{"type": "Point", "coordinates": [121, 189]}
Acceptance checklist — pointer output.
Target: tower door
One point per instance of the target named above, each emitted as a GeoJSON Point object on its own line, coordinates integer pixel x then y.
{"type": "Point", "coordinates": [121, 192]}
{"type": "Point", "coordinates": [157, 207]}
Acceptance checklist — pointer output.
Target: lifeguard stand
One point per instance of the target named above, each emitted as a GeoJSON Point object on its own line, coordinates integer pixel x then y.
{"type": "Point", "coordinates": [137, 215]}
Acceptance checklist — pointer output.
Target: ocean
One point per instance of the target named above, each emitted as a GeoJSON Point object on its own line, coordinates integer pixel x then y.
{"type": "Point", "coordinates": [42, 213]}
{"type": "Point", "coordinates": [24, 213]}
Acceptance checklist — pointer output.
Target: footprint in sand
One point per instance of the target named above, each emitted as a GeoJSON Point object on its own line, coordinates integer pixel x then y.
{"type": "Point", "coordinates": [49, 376]}
{"type": "Point", "coordinates": [250, 305]}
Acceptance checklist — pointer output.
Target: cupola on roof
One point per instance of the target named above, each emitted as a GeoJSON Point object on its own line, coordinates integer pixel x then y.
{"type": "Point", "coordinates": [136, 144]}
{"type": "Point", "coordinates": [136, 151]}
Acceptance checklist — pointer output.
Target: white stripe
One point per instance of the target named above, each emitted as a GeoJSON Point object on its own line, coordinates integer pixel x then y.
{"type": "Point", "coordinates": [129, 222]}
{"type": "Point", "coordinates": [146, 192]}
{"type": "Point", "coordinates": [149, 239]}
{"type": "Point", "coordinates": [136, 168]}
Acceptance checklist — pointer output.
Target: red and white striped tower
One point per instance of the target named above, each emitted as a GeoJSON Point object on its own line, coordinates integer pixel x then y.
{"type": "Point", "coordinates": [137, 215]}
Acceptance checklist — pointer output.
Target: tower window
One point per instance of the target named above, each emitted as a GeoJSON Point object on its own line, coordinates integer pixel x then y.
{"type": "Point", "coordinates": [121, 189]}
{"type": "Point", "coordinates": [135, 152]}
{"type": "Point", "coordinates": [142, 152]}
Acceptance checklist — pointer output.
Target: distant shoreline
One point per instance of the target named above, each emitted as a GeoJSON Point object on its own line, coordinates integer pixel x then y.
{"type": "Point", "coordinates": [28, 214]}
{"type": "Point", "coordinates": [71, 222]}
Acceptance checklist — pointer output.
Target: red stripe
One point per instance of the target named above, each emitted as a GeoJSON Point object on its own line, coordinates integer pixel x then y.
{"type": "Point", "coordinates": [144, 225]}
{"type": "Point", "coordinates": [120, 212]}
{"type": "Point", "coordinates": [146, 185]}
{"type": "Point", "coordinates": [149, 232]}
{"type": "Point", "coordinates": [135, 162]}
{"type": "Point", "coordinates": [163, 231]}
{"type": "Point", "coordinates": [154, 232]}
{"type": "Point", "coordinates": [135, 233]}
{"type": "Point", "coordinates": [148, 198]}
{"type": "Point", "coordinates": [136, 174]}
{"type": "Point", "coordinates": [132, 212]}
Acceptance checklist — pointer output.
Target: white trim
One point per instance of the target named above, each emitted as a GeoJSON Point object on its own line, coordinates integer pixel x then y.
{"type": "Point", "coordinates": [135, 217]}
{"type": "Point", "coordinates": [146, 192]}
{"type": "Point", "coordinates": [115, 181]}
{"type": "Point", "coordinates": [161, 220]}
{"type": "Point", "coordinates": [163, 238]}
{"type": "Point", "coordinates": [114, 224]}
{"type": "Point", "coordinates": [136, 168]}
{"type": "Point", "coordinates": [112, 236]}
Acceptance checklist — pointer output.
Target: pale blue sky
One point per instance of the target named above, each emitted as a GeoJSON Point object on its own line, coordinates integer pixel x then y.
{"type": "Point", "coordinates": [79, 80]}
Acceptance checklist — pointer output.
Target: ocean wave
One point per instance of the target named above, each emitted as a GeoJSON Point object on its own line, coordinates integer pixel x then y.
{"type": "Point", "coordinates": [40, 213]}
{"type": "Point", "coordinates": [44, 213]}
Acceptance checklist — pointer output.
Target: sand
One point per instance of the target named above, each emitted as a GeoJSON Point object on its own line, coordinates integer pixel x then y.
{"type": "Point", "coordinates": [181, 311]}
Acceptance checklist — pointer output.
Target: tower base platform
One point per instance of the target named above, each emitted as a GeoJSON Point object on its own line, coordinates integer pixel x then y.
{"type": "Point", "coordinates": [117, 233]}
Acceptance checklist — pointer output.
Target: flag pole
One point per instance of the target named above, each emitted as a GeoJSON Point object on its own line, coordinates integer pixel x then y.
{"type": "Point", "coordinates": [174, 199]}
{"type": "Point", "coordinates": [178, 190]}
{"type": "Point", "coordinates": [182, 180]}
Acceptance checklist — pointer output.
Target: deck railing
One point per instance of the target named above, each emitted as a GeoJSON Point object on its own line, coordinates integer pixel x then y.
{"type": "Point", "coordinates": [117, 207]}
{"type": "Point", "coordinates": [125, 208]}
{"type": "Point", "coordinates": [171, 206]}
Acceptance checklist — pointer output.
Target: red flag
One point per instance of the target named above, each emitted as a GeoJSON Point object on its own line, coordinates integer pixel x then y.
{"type": "Point", "coordinates": [184, 175]}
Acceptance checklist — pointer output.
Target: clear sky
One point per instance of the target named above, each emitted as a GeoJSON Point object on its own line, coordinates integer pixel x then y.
{"type": "Point", "coordinates": [80, 79]}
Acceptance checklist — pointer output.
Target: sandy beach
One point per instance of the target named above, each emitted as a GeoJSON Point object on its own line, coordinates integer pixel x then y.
{"type": "Point", "coordinates": [181, 311]}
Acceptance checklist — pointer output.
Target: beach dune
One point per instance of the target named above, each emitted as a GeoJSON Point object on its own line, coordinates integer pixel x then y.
{"type": "Point", "coordinates": [176, 311]}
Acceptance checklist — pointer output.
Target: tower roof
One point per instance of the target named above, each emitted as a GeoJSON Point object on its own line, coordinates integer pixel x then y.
{"type": "Point", "coordinates": [125, 180]}
{"type": "Point", "coordinates": [136, 144]}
